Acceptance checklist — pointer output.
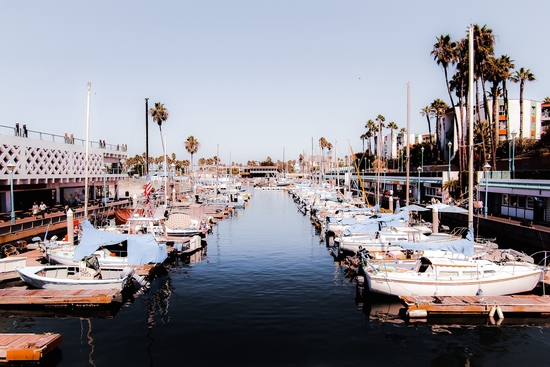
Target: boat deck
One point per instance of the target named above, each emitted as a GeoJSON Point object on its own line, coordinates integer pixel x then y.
{"type": "Point", "coordinates": [27, 347]}
{"type": "Point", "coordinates": [424, 306]}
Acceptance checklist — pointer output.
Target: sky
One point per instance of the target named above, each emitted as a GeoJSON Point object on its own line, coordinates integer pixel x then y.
{"type": "Point", "coordinates": [249, 79]}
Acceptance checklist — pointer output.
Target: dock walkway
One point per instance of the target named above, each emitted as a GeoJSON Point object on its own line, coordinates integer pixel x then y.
{"type": "Point", "coordinates": [424, 306]}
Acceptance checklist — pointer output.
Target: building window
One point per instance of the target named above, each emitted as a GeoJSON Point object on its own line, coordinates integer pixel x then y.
{"type": "Point", "coordinates": [501, 110]}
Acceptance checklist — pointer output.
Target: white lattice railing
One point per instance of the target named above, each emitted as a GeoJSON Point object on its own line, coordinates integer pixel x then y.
{"type": "Point", "coordinates": [41, 161]}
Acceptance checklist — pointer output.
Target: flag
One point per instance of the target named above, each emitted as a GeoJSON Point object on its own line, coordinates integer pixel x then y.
{"type": "Point", "coordinates": [148, 188]}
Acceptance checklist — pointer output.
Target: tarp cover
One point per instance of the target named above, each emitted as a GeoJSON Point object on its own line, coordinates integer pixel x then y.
{"type": "Point", "coordinates": [374, 224]}
{"type": "Point", "coordinates": [142, 248]}
{"type": "Point", "coordinates": [463, 246]}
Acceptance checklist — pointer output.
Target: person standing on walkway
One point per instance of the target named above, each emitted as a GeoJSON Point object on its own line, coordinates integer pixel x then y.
{"type": "Point", "coordinates": [42, 208]}
{"type": "Point", "coordinates": [35, 209]}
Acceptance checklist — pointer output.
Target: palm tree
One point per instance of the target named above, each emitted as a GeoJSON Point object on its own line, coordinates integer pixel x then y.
{"type": "Point", "coordinates": [192, 146]}
{"type": "Point", "coordinates": [371, 126]}
{"type": "Point", "coordinates": [521, 76]}
{"type": "Point", "coordinates": [506, 65]}
{"type": "Point", "coordinates": [439, 107]}
{"type": "Point", "coordinates": [159, 114]}
{"type": "Point", "coordinates": [444, 55]}
{"type": "Point", "coordinates": [380, 120]}
{"type": "Point", "coordinates": [428, 113]}
{"type": "Point", "coordinates": [392, 126]}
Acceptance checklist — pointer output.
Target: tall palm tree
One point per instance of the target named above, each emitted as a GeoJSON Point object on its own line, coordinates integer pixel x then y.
{"type": "Point", "coordinates": [380, 125]}
{"type": "Point", "coordinates": [444, 55]}
{"type": "Point", "coordinates": [495, 74]}
{"type": "Point", "coordinates": [392, 126]}
{"type": "Point", "coordinates": [159, 114]}
{"type": "Point", "coordinates": [521, 76]}
{"type": "Point", "coordinates": [507, 65]}
{"type": "Point", "coordinates": [439, 107]}
{"type": "Point", "coordinates": [192, 146]}
{"type": "Point", "coordinates": [371, 126]}
{"type": "Point", "coordinates": [428, 113]}
{"type": "Point", "coordinates": [484, 47]}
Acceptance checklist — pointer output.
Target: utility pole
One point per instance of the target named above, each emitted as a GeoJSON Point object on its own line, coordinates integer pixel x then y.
{"type": "Point", "coordinates": [407, 139]}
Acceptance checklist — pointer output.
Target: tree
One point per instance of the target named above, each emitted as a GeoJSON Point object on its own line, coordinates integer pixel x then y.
{"type": "Point", "coordinates": [159, 114]}
{"type": "Point", "coordinates": [428, 113]}
{"type": "Point", "coordinates": [192, 146]}
{"type": "Point", "coordinates": [521, 76]}
{"type": "Point", "coordinates": [438, 107]}
{"type": "Point", "coordinates": [392, 126]}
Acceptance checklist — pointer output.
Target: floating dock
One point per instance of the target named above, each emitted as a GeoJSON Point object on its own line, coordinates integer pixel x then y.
{"type": "Point", "coordinates": [27, 347]}
{"type": "Point", "coordinates": [58, 298]}
{"type": "Point", "coordinates": [491, 306]}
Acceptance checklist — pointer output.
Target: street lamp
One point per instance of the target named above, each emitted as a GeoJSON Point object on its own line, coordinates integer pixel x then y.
{"type": "Point", "coordinates": [486, 169]}
{"type": "Point", "coordinates": [514, 133]}
{"type": "Point", "coordinates": [104, 170]}
{"type": "Point", "coordinates": [418, 184]}
{"type": "Point", "coordinates": [449, 144]}
{"type": "Point", "coordinates": [422, 150]}
{"type": "Point", "coordinates": [401, 159]}
{"type": "Point", "coordinates": [11, 167]}
{"type": "Point", "coordinates": [385, 170]}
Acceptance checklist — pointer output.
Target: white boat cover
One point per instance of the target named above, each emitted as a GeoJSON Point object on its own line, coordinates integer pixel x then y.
{"type": "Point", "coordinates": [142, 248]}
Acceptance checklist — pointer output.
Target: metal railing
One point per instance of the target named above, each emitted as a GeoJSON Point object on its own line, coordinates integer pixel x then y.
{"type": "Point", "coordinates": [67, 138]}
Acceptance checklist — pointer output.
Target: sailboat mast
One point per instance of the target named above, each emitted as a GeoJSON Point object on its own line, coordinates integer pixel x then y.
{"type": "Point", "coordinates": [407, 138]}
{"type": "Point", "coordinates": [471, 129]}
{"type": "Point", "coordinates": [87, 152]}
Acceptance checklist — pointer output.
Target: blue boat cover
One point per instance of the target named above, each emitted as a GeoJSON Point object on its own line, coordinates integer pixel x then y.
{"type": "Point", "coordinates": [463, 246]}
{"type": "Point", "coordinates": [142, 248]}
{"type": "Point", "coordinates": [375, 224]}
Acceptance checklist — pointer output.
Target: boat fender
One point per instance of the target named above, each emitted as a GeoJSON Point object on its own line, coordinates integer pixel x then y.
{"type": "Point", "coordinates": [418, 313]}
{"type": "Point", "coordinates": [492, 311]}
{"type": "Point", "coordinates": [499, 313]}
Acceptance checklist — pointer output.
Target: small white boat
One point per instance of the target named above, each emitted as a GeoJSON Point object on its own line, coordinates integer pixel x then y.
{"type": "Point", "coordinates": [74, 277]}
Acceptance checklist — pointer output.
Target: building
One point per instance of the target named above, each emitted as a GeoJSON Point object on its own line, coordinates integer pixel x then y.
{"type": "Point", "coordinates": [52, 168]}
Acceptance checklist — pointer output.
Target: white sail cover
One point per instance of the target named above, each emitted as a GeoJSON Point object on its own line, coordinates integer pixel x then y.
{"type": "Point", "coordinates": [142, 248]}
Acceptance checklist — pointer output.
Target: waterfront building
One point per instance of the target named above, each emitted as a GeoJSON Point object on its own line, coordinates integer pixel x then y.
{"type": "Point", "coordinates": [52, 168]}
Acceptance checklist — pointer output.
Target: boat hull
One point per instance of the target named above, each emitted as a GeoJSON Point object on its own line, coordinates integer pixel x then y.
{"type": "Point", "coordinates": [67, 277]}
{"type": "Point", "coordinates": [419, 285]}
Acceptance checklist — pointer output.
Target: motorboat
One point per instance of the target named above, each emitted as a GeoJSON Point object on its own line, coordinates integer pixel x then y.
{"type": "Point", "coordinates": [86, 275]}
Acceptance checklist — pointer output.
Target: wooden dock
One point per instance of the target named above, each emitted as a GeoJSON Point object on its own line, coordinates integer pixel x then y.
{"type": "Point", "coordinates": [491, 306]}
{"type": "Point", "coordinates": [27, 347]}
{"type": "Point", "coordinates": [58, 297]}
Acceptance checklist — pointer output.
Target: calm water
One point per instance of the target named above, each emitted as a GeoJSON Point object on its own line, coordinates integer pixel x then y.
{"type": "Point", "coordinates": [268, 293]}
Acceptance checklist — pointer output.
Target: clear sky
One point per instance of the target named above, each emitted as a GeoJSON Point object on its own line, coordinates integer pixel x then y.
{"type": "Point", "coordinates": [249, 78]}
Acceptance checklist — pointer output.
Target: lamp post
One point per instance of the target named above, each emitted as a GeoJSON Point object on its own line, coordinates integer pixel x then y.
{"type": "Point", "coordinates": [422, 162]}
{"type": "Point", "coordinates": [514, 133]}
{"type": "Point", "coordinates": [401, 160]}
{"type": "Point", "coordinates": [11, 167]}
{"type": "Point", "coordinates": [486, 169]}
{"type": "Point", "coordinates": [385, 170]}
{"type": "Point", "coordinates": [449, 144]}
{"type": "Point", "coordinates": [104, 170]}
{"type": "Point", "coordinates": [418, 184]}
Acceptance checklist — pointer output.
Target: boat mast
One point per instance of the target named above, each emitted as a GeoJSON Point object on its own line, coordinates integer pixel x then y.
{"type": "Point", "coordinates": [407, 137]}
{"type": "Point", "coordinates": [470, 129]}
{"type": "Point", "coordinates": [87, 151]}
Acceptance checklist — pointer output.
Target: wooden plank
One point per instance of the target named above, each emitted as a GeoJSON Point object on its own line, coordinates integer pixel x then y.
{"type": "Point", "coordinates": [27, 347]}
